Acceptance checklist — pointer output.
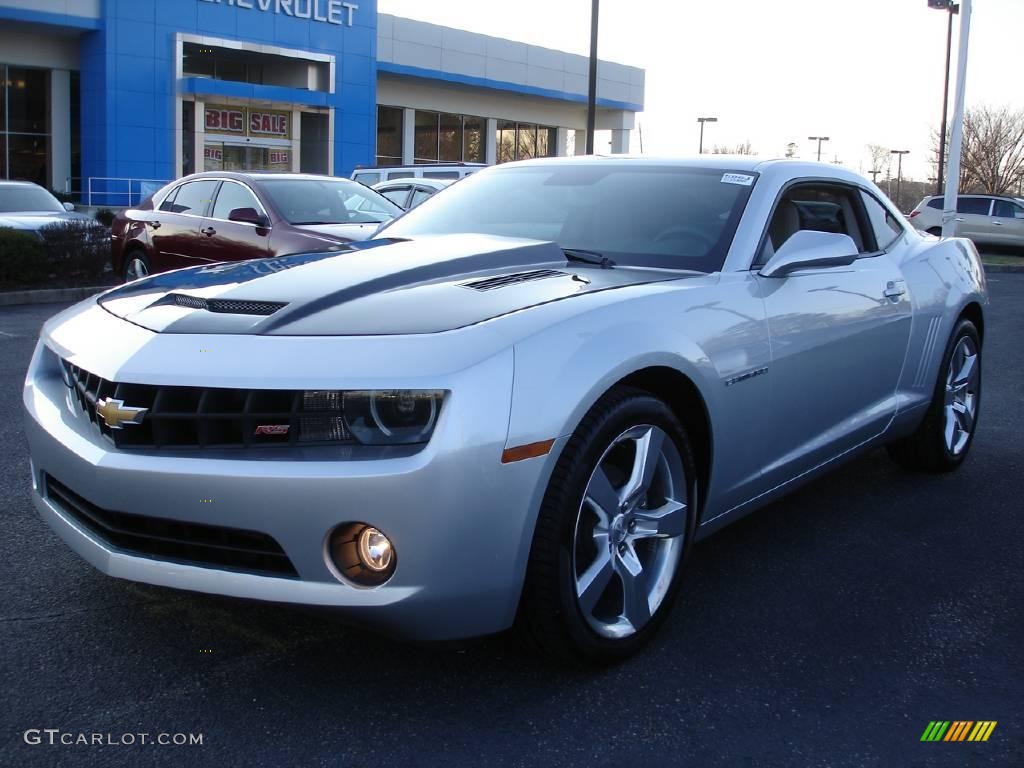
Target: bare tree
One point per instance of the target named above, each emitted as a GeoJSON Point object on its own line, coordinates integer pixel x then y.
{"type": "Point", "coordinates": [992, 156]}
{"type": "Point", "coordinates": [880, 158]}
{"type": "Point", "coordinates": [740, 149]}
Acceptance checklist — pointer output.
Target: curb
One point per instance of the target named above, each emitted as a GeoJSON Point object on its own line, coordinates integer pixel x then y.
{"type": "Point", "coordinates": [49, 295]}
{"type": "Point", "coordinates": [996, 268]}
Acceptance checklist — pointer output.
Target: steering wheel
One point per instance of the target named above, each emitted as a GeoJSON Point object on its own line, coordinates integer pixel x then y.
{"type": "Point", "coordinates": [684, 231]}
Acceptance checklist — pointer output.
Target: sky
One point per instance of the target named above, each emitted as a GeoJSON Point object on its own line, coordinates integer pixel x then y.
{"type": "Point", "coordinates": [773, 71]}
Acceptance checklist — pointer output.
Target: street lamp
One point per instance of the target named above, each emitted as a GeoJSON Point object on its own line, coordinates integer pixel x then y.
{"type": "Point", "coordinates": [899, 172]}
{"type": "Point", "coordinates": [818, 139]}
{"type": "Point", "coordinates": [874, 174]}
{"type": "Point", "coordinates": [703, 120]}
{"type": "Point", "coordinates": [953, 9]}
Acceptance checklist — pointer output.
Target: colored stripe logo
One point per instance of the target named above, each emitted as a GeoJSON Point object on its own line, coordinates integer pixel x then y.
{"type": "Point", "coordinates": [958, 730]}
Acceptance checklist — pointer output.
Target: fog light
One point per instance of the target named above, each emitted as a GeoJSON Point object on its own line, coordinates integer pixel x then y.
{"type": "Point", "coordinates": [361, 554]}
{"type": "Point", "coordinates": [374, 550]}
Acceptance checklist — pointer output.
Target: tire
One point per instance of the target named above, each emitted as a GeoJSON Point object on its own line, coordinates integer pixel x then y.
{"type": "Point", "coordinates": [943, 439]}
{"type": "Point", "coordinates": [135, 260]}
{"type": "Point", "coordinates": [650, 529]}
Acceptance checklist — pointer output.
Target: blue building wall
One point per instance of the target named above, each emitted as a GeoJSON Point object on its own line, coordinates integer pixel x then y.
{"type": "Point", "coordinates": [128, 78]}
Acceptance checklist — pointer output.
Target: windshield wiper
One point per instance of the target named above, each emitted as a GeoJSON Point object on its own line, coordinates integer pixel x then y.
{"type": "Point", "coordinates": [588, 257]}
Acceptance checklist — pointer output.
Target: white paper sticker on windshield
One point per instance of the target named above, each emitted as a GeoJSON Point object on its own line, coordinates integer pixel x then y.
{"type": "Point", "coordinates": [737, 178]}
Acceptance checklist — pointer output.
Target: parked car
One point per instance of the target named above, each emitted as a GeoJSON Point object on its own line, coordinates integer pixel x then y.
{"type": "Point", "coordinates": [370, 175]}
{"type": "Point", "coordinates": [29, 207]}
{"type": "Point", "coordinates": [522, 402]}
{"type": "Point", "coordinates": [221, 216]}
{"type": "Point", "coordinates": [408, 193]}
{"type": "Point", "coordinates": [985, 219]}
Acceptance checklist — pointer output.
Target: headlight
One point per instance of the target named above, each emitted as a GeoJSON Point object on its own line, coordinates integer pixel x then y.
{"type": "Point", "coordinates": [392, 417]}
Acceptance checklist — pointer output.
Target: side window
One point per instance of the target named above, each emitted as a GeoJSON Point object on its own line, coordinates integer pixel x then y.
{"type": "Point", "coordinates": [886, 228]}
{"type": "Point", "coordinates": [1006, 209]}
{"type": "Point", "coordinates": [168, 203]}
{"type": "Point", "coordinates": [369, 179]}
{"type": "Point", "coordinates": [194, 197]}
{"type": "Point", "coordinates": [419, 196]}
{"type": "Point", "coordinates": [976, 205]}
{"type": "Point", "coordinates": [818, 208]}
{"type": "Point", "coordinates": [936, 203]}
{"type": "Point", "coordinates": [400, 175]}
{"type": "Point", "coordinates": [232, 196]}
{"type": "Point", "coordinates": [440, 174]}
{"type": "Point", "coordinates": [399, 196]}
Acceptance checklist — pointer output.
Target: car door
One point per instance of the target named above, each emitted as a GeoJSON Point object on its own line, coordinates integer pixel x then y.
{"type": "Point", "coordinates": [174, 232]}
{"type": "Point", "coordinates": [972, 217]}
{"type": "Point", "coordinates": [226, 240]}
{"type": "Point", "coordinates": [1007, 223]}
{"type": "Point", "coordinates": [838, 335]}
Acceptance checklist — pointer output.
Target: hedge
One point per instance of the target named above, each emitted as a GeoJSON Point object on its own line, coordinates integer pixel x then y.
{"type": "Point", "coordinates": [63, 254]}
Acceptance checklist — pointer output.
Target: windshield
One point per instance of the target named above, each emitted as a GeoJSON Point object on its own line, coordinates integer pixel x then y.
{"type": "Point", "coordinates": [14, 199]}
{"type": "Point", "coordinates": [322, 201]}
{"type": "Point", "coordinates": [668, 217]}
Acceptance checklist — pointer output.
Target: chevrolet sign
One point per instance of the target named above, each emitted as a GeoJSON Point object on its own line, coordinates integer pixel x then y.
{"type": "Point", "coordinates": [329, 11]}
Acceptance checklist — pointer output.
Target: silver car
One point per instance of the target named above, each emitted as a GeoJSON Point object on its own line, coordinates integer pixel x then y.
{"type": "Point", "coordinates": [521, 405]}
{"type": "Point", "coordinates": [30, 208]}
{"type": "Point", "coordinates": [985, 219]}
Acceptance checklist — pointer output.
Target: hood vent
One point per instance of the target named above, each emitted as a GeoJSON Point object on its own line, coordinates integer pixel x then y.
{"type": "Point", "coordinates": [222, 306]}
{"type": "Point", "coordinates": [501, 281]}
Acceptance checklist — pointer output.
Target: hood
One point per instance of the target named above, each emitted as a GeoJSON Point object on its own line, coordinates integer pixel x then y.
{"type": "Point", "coordinates": [40, 219]}
{"type": "Point", "coordinates": [426, 285]}
{"type": "Point", "coordinates": [332, 232]}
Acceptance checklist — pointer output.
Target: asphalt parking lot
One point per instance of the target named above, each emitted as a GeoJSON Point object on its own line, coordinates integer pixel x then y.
{"type": "Point", "coordinates": [826, 630]}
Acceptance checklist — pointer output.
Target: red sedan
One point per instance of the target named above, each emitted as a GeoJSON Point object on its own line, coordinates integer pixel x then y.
{"type": "Point", "coordinates": [221, 216]}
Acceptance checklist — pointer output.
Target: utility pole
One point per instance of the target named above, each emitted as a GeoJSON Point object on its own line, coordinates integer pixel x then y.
{"type": "Point", "coordinates": [899, 172]}
{"type": "Point", "coordinates": [874, 174]}
{"type": "Point", "coordinates": [818, 139]}
{"type": "Point", "coordinates": [952, 9]}
{"type": "Point", "coordinates": [592, 90]}
{"type": "Point", "coordinates": [702, 120]}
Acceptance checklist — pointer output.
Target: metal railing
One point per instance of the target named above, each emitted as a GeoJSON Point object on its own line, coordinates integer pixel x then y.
{"type": "Point", "coordinates": [118, 191]}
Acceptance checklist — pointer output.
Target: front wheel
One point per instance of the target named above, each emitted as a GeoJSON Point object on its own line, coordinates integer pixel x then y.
{"type": "Point", "coordinates": [941, 442]}
{"type": "Point", "coordinates": [136, 266]}
{"type": "Point", "coordinates": [614, 530]}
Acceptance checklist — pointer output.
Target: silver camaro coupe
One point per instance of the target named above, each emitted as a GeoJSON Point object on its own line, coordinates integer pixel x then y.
{"type": "Point", "coordinates": [521, 404]}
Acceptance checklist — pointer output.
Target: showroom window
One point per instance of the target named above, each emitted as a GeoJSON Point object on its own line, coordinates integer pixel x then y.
{"type": "Point", "coordinates": [523, 141]}
{"type": "Point", "coordinates": [24, 124]}
{"type": "Point", "coordinates": [448, 138]}
{"type": "Point", "coordinates": [389, 135]}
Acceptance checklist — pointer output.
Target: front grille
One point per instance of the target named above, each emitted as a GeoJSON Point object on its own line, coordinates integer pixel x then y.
{"type": "Point", "coordinates": [223, 306]}
{"type": "Point", "coordinates": [211, 417]}
{"type": "Point", "coordinates": [501, 281]}
{"type": "Point", "coordinates": [212, 546]}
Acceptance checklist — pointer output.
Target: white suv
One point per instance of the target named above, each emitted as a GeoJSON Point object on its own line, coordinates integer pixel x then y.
{"type": "Point", "coordinates": [985, 219]}
{"type": "Point", "coordinates": [370, 175]}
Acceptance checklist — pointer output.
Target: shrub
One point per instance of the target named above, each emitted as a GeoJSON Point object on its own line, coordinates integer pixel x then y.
{"type": "Point", "coordinates": [75, 252]}
{"type": "Point", "coordinates": [105, 216]}
{"type": "Point", "coordinates": [22, 257]}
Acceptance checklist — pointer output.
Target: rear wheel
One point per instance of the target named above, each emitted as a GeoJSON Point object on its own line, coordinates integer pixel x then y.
{"type": "Point", "coordinates": [614, 530]}
{"type": "Point", "coordinates": [136, 266]}
{"type": "Point", "coordinates": [943, 439]}
{"type": "Point", "coordinates": [937, 231]}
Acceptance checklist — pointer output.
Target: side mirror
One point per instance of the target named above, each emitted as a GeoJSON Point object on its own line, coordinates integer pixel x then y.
{"type": "Point", "coordinates": [806, 249]}
{"type": "Point", "coordinates": [249, 216]}
{"type": "Point", "coordinates": [69, 206]}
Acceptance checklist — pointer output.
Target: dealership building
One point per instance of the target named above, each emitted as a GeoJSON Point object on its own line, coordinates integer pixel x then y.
{"type": "Point", "coordinates": [111, 98]}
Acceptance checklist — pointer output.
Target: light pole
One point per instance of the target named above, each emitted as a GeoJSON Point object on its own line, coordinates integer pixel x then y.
{"type": "Point", "coordinates": [899, 172]}
{"type": "Point", "coordinates": [956, 136]}
{"type": "Point", "coordinates": [874, 174]}
{"type": "Point", "coordinates": [702, 120]}
{"type": "Point", "coordinates": [592, 88]}
{"type": "Point", "coordinates": [818, 139]}
{"type": "Point", "coordinates": [953, 9]}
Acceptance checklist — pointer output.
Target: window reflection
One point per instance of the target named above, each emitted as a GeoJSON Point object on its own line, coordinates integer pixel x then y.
{"type": "Point", "coordinates": [25, 124]}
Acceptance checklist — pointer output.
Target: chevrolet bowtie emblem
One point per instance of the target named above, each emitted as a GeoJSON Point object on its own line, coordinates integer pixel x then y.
{"type": "Point", "coordinates": [115, 413]}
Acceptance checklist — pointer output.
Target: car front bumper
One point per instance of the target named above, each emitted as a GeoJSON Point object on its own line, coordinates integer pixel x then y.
{"type": "Point", "coordinates": [461, 521]}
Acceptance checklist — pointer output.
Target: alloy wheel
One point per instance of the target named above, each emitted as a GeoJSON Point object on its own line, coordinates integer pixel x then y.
{"type": "Point", "coordinates": [961, 403]}
{"type": "Point", "coordinates": [136, 269]}
{"type": "Point", "coordinates": [630, 531]}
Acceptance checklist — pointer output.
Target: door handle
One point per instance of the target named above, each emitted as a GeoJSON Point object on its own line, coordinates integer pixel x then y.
{"type": "Point", "coordinates": [894, 289]}
{"type": "Point", "coordinates": [209, 231]}
{"type": "Point", "coordinates": [998, 223]}
{"type": "Point", "coordinates": [959, 218]}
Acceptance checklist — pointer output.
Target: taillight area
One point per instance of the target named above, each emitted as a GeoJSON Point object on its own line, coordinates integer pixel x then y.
{"type": "Point", "coordinates": [914, 213]}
